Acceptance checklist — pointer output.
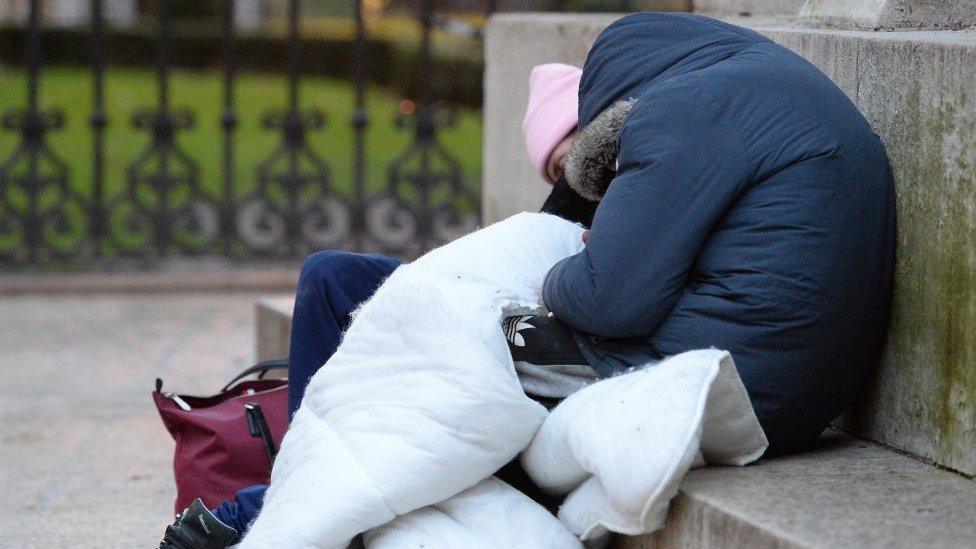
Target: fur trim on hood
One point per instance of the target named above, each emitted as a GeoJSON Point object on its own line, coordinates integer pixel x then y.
{"type": "Point", "coordinates": [592, 161]}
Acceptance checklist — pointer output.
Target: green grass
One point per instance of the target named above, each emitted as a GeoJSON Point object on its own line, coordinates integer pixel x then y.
{"type": "Point", "coordinates": [128, 90]}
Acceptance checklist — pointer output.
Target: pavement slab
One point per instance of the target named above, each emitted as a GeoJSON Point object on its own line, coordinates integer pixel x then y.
{"type": "Point", "coordinates": [84, 459]}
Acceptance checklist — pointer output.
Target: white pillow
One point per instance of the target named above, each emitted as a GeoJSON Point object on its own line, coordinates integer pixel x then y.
{"type": "Point", "coordinates": [621, 446]}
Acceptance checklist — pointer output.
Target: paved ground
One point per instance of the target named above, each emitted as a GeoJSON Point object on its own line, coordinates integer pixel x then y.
{"type": "Point", "coordinates": [84, 459]}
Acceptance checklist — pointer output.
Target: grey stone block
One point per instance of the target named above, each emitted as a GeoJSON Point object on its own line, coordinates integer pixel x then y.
{"type": "Point", "coordinates": [514, 44]}
{"type": "Point", "coordinates": [916, 89]}
{"type": "Point", "coordinates": [661, 5]}
{"type": "Point", "coordinates": [890, 14]}
{"type": "Point", "coordinates": [273, 326]}
{"type": "Point", "coordinates": [848, 493]}
{"type": "Point", "coordinates": [784, 8]}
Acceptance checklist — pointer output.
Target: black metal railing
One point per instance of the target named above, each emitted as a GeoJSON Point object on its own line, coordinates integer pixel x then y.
{"type": "Point", "coordinates": [288, 207]}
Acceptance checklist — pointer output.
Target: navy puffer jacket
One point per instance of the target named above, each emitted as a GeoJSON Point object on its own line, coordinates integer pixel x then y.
{"type": "Point", "coordinates": [752, 210]}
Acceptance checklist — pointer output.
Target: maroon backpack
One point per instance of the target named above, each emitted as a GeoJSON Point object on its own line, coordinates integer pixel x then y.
{"type": "Point", "coordinates": [227, 441]}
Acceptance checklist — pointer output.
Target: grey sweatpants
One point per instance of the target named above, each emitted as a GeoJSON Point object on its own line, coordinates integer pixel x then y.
{"type": "Point", "coordinates": [554, 381]}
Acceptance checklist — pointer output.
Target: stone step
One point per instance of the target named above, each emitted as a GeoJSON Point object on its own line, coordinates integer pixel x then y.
{"type": "Point", "coordinates": [847, 493]}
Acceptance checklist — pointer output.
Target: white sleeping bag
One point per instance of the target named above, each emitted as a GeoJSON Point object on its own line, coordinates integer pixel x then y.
{"type": "Point", "coordinates": [421, 403]}
{"type": "Point", "coordinates": [620, 447]}
{"type": "Point", "coordinates": [421, 400]}
{"type": "Point", "coordinates": [490, 515]}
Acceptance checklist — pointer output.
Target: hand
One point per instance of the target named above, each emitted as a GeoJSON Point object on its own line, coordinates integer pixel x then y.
{"type": "Point", "coordinates": [586, 235]}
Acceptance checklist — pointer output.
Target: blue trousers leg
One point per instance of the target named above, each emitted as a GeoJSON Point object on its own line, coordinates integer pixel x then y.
{"type": "Point", "coordinates": [239, 514]}
{"type": "Point", "coordinates": [330, 287]}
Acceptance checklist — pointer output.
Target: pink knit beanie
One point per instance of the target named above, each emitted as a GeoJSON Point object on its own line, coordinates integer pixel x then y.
{"type": "Point", "coordinates": [551, 114]}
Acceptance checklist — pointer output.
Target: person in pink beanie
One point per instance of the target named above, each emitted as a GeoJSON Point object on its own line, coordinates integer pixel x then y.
{"type": "Point", "coordinates": [550, 119]}
{"type": "Point", "coordinates": [549, 127]}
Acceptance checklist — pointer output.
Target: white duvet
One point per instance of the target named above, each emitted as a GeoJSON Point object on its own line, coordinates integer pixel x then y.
{"type": "Point", "coordinates": [398, 435]}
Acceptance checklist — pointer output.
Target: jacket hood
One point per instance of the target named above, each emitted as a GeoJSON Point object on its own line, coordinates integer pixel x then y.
{"type": "Point", "coordinates": [631, 56]}
{"type": "Point", "coordinates": [645, 49]}
{"type": "Point", "coordinates": [591, 162]}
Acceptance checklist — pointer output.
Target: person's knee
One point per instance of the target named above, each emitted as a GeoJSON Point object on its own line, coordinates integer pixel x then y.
{"type": "Point", "coordinates": [320, 262]}
{"type": "Point", "coordinates": [318, 274]}
{"type": "Point", "coordinates": [322, 267]}
{"type": "Point", "coordinates": [341, 279]}
{"type": "Point", "coordinates": [327, 272]}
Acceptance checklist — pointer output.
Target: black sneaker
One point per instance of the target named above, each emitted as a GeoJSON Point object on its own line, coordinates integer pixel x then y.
{"type": "Point", "coordinates": [541, 340]}
{"type": "Point", "coordinates": [547, 360]}
{"type": "Point", "coordinates": [197, 528]}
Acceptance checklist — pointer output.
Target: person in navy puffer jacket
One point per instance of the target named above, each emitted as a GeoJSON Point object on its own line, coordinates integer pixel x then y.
{"type": "Point", "coordinates": [744, 204]}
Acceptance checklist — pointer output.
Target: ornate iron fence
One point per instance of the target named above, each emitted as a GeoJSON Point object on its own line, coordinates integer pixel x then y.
{"type": "Point", "coordinates": [292, 205]}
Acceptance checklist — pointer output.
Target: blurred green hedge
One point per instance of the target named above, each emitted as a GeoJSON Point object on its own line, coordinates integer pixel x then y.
{"type": "Point", "coordinates": [389, 63]}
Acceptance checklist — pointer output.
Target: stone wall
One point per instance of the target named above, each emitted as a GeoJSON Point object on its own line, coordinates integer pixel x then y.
{"type": "Point", "coordinates": [785, 8]}
{"type": "Point", "coordinates": [918, 90]}
{"type": "Point", "coordinates": [890, 14]}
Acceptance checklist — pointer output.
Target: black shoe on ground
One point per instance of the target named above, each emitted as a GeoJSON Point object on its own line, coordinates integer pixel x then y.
{"type": "Point", "coordinates": [198, 528]}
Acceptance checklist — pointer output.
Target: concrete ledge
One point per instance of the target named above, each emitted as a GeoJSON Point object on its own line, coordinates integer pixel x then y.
{"type": "Point", "coordinates": [514, 44]}
{"type": "Point", "coordinates": [769, 8]}
{"type": "Point", "coordinates": [847, 493]}
{"type": "Point", "coordinates": [890, 14]}
{"type": "Point", "coordinates": [273, 325]}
